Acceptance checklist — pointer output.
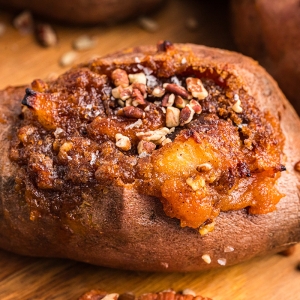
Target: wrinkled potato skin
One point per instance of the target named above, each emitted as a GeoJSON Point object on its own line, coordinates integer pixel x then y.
{"type": "Point", "coordinates": [269, 32]}
{"type": "Point", "coordinates": [85, 12]}
{"type": "Point", "coordinates": [122, 229]}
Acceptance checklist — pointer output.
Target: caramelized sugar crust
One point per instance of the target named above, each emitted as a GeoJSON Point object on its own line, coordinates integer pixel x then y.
{"type": "Point", "coordinates": [162, 123]}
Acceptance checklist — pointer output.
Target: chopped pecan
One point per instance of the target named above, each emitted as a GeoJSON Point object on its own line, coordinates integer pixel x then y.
{"type": "Point", "coordinates": [196, 183]}
{"type": "Point", "coordinates": [158, 91]}
{"type": "Point", "coordinates": [137, 78]}
{"type": "Point", "coordinates": [45, 35]}
{"type": "Point", "coordinates": [121, 103]}
{"type": "Point", "coordinates": [84, 42]}
{"type": "Point", "coordinates": [148, 24]}
{"type": "Point", "coordinates": [172, 117]}
{"type": "Point", "coordinates": [168, 100]}
{"type": "Point", "coordinates": [205, 167]}
{"type": "Point", "coordinates": [196, 106]}
{"type": "Point", "coordinates": [137, 98]}
{"type": "Point", "coordinates": [122, 93]}
{"type": "Point", "coordinates": [206, 258]}
{"type": "Point", "coordinates": [145, 147]}
{"type": "Point", "coordinates": [203, 230]}
{"type": "Point", "coordinates": [128, 102]}
{"type": "Point", "coordinates": [156, 136]}
{"type": "Point", "coordinates": [166, 141]}
{"type": "Point", "coordinates": [68, 58]}
{"type": "Point", "coordinates": [237, 106]}
{"type": "Point", "coordinates": [123, 142]}
{"type": "Point", "coordinates": [24, 22]}
{"type": "Point", "coordinates": [177, 89]}
{"type": "Point", "coordinates": [141, 87]}
{"type": "Point", "coordinates": [180, 102]}
{"type": "Point", "coordinates": [120, 78]}
{"type": "Point", "coordinates": [195, 86]}
{"type": "Point", "coordinates": [186, 115]}
{"type": "Point", "coordinates": [131, 112]}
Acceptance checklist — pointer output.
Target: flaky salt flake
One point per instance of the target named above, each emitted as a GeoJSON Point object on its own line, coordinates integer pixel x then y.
{"type": "Point", "coordinates": [222, 261]}
{"type": "Point", "coordinates": [183, 61]}
{"type": "Point", "coordinates": [93, 160]}
{"type": "Point", "coordinates": [228, 249]}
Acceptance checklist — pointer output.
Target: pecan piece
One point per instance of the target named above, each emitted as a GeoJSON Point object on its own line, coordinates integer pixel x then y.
{"type": "Point", "coordinates": [158, 91]}
{"type": "Point", "coordinates": [46, 35]}
{"type": "Point", "coordinates": [172, 117]}
{"type": "Point", "coordinates": [180, 102]}
{"type": "Point", "coordinates": [145, 147]}
{"type": "Point", "coordinates": [177, 89]}
{"type": "Point", "coordinates": [137, 98]}
{"type": "Point", "coordinates": [237, 106]}
{"type": "Point", "coordinates": [141, 87]}
{"type": "Point", "coordinates": [123, 142]}
{"type": "Point", "coordinates": [196, 106]}
{"type": "Point", "coordinates": [205, 167]}
{"type": "Point", "coordinates": [186, 115]}
{"type": "Point", "coordinates": [120, 78]}
{"type": "Point", "coordinates": [195, 86]}
{"type": "Point", "coordinates": [168, 100]}
{"type": "Point", "coordinates": [156, 136]}
{"type": "Point", "coordinates": [122, 93]}
{"type": "Point", "coordinates": [131, 112]}
{"type": "Point", "coordinates": [137, 78]}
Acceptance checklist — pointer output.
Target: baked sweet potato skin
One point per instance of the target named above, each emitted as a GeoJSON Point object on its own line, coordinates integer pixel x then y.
{"type": "Point", "coordinates": [269, 32]}
{"type": "Point", "coordinates": [85, 12]}
{"type": "Point", "coordinates": [123, 229]}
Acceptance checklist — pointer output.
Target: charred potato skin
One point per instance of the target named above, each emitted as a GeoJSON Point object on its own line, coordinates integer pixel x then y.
{"type": "Point", "coordinates": [268, 31]}
{"type": "Point", "coordinates": [123, 229]}
{"type": "Point", "coordinates": [85, 12]}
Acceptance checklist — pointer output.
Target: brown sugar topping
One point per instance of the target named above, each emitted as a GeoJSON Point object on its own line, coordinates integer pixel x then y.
{"type": "Point", "coordinates": [187, 134]}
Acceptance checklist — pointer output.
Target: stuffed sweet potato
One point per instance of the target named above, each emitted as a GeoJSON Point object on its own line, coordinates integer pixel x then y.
{"type": "Point", "coordinates": [176, 158]}
{"type": "Point", "coordinates": [269, 31]}
{"type": "Point", "coordinates": [85, 12]}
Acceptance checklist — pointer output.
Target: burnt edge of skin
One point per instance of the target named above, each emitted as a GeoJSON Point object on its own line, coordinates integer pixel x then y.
{"type": "Point", "coordinates": [28, 94]}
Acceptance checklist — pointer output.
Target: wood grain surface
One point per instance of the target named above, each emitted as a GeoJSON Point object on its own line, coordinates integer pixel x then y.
{"type": "Point", "coordinates": [21, 61]}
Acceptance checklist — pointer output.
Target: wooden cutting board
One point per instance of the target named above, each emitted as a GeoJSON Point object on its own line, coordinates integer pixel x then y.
{"type": "Point", "coordinates": [21, 61]}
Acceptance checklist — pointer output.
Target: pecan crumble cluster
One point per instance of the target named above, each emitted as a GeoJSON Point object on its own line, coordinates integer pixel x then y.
{"type": "Point", "coordinates": [161, 124]}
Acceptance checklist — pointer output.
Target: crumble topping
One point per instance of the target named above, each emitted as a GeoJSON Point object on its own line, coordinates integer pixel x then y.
{"type": "Point", "coordinates": [186, 134]}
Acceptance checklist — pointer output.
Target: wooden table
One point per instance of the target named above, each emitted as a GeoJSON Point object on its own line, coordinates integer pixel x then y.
{"type": "Point", "coordinates": [21, 61]}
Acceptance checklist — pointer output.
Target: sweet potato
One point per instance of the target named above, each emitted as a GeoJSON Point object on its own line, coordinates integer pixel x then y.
{"type": "Point", "coordinates": [85, 12]}
{"type": "Point", "coordinates": [96, 209]}
{"type": "Point", "coordinates": [269, 32]}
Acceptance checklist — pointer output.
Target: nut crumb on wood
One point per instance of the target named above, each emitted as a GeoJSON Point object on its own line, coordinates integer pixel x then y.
{"type": "Point", "coordinates": [148, 24]}
{"type": "Point", "coordinates": [68, 58]}
{"type": "Point", "coordinates": [84, 42]}
{"type": "Point", "coordinates": [24, 22]}
{"type": "Point", "coordinates": [206, 258]}
{"type": "Point", "coordinates": [46, 35]}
